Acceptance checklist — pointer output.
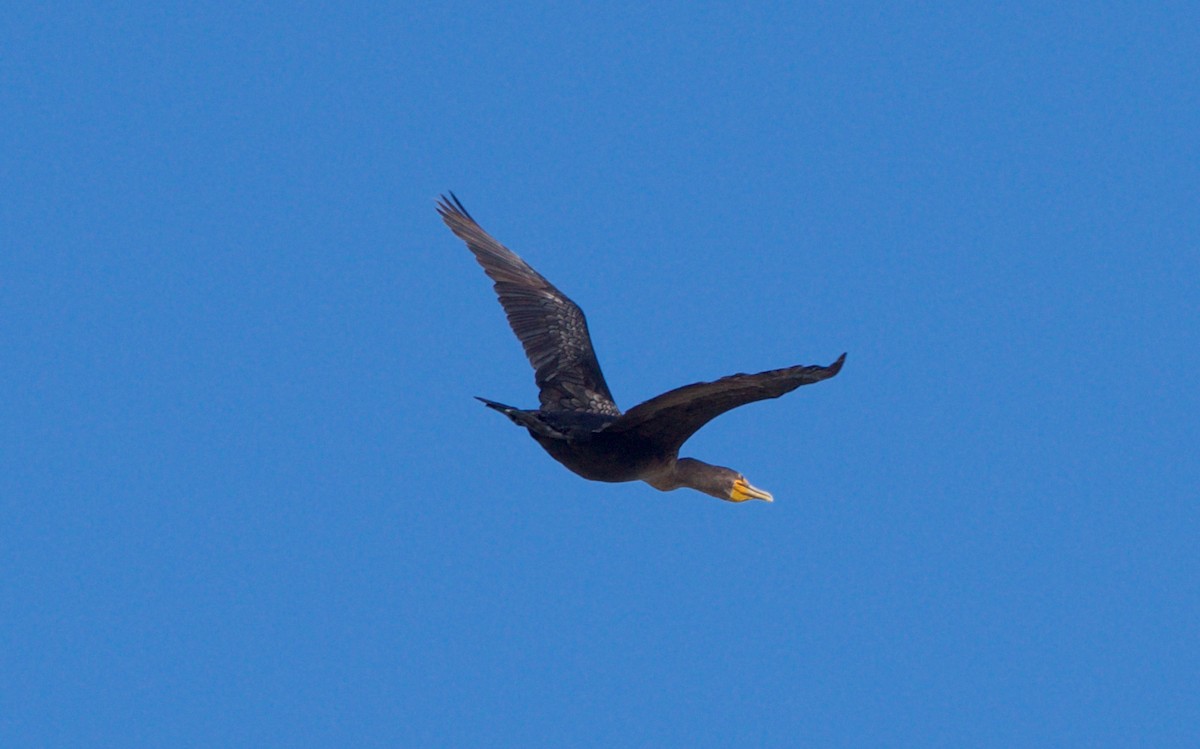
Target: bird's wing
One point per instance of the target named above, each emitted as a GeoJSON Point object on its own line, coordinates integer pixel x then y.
{"type": "Point", "coordinates": [668, 420]}
{"type": "Point", "coordinates": [550, 326]}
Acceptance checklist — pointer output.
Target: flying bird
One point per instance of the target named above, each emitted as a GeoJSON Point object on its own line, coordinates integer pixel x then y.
{"type": "Point", "coordinates": [578, 422]}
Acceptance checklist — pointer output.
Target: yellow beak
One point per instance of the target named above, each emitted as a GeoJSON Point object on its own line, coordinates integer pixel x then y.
{"type": "Point", "coordinates": [742, 490]}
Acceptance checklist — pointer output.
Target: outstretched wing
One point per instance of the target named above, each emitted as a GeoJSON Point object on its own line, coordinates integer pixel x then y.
{"type": "Point", "coordinates": [668, 420]}
{"type": "Point", "coordinates": [549, 325]}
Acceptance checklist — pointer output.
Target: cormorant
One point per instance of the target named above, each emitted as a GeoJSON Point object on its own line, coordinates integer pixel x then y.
{"type": "Point", "coordinates": [578, 423]}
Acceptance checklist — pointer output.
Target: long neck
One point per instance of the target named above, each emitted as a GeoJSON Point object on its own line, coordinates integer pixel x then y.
{"type": "Point", "coordinates": [683, 472]}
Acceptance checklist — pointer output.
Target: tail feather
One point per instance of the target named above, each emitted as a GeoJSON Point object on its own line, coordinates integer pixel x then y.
{"type": "Point", "coordinates": [506, 410]}
{"type": "Point", "coordinates": [523, 418]}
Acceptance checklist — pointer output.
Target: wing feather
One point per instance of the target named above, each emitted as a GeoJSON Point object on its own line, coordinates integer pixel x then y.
{"type": "Point", "coordinates": [668, 420]}
{"type": "Point", "coordinates": [551, 327]}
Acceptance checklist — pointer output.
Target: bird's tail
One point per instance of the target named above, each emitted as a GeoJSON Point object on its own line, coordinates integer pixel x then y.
{"type": "Point", "coordinates": [522, 418]}
{"type": "Point", "coordinates": [506, 410]}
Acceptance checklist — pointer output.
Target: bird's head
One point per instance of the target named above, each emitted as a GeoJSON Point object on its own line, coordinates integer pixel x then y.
{"type": "Point", "coordinates": [718, 481]}
{"type": "Point", "coordinates": [741, 490]}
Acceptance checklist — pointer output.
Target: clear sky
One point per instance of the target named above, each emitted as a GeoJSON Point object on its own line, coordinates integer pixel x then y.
{"type": "Point", "coordinates": [248, 500]}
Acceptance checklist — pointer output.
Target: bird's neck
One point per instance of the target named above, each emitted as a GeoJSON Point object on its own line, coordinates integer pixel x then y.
{"type": "Point", "coordinates": [679, 473]}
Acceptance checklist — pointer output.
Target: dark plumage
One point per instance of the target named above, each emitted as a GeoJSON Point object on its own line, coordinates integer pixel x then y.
{"type": "Point", "coordinates": [578, 423]}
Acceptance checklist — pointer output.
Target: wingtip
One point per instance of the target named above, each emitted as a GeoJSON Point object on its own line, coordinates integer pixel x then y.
{"type": "Point", "coordinates": [837, 365]}
{"type": "Point", "coordinates": [451, 205]}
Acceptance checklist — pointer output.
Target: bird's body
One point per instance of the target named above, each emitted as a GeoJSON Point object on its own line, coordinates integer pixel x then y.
{"type": "Point", "coordinates": [581, 442]}
{"type": "Point", "coordinates": [578, 422]}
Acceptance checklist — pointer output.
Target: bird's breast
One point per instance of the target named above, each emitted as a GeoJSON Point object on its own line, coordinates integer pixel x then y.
{"type": "Point", "coordinates": [602, 457]}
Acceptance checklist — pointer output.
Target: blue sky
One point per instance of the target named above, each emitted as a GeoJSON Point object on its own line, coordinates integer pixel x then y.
{"type": "Point", "coordinates": [248, 500]}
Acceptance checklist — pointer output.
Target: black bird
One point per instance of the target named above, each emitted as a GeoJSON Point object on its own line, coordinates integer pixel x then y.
{"type": "Point", "coordinates": [578, 423]}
